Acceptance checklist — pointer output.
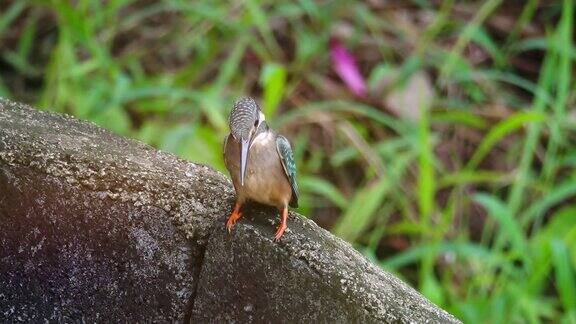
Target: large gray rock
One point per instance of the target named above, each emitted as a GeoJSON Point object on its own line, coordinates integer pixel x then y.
{"type": "Point", "coordinates": [68, 255]}
{"type": "Point", "coordinates": [309, 276]}
{"type": "Point", "coordinates": [95, 227]}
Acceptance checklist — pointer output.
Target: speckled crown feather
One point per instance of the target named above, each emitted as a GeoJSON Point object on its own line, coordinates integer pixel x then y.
{"type": "Point", "coordinates": [243, 116]}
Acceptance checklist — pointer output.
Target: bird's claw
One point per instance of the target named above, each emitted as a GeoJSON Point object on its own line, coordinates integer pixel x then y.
{"type": "Point", "coordinates": [280, 232]}
{"type": "Point", "coordinates": [236, 214]}
{"type": "Point", "coordinates": [232, 221]}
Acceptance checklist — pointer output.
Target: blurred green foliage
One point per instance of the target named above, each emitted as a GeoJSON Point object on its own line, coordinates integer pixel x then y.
{"type": "Point", "coordinates": [468, 193]}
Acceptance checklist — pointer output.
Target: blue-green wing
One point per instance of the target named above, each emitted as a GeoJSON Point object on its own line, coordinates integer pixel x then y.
{"type": "Point", "coordinates": [287, 158]}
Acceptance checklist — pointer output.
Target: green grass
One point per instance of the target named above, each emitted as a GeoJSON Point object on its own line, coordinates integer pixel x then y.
{"type": "Point", "coordinates": [473, 202]}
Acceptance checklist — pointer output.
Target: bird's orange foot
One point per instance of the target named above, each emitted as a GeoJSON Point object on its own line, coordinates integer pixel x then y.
{"type": "Point", "coordinates": [283, 225]}
{"type": "Point", "coordinates": [280, 232]}
{"type": "Point", "coordinates": [236, 214]}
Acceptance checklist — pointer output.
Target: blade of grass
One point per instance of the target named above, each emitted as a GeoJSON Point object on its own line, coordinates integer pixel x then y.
{"type": "Point", "coordinates": [485, 10]}
{"type": "Point", "coordinates": [525, 18]}
{"type": "Point", "coordinates": [498, 132]}
{"type": "Point", "coordinates": [442, 19]}
{"type": "Point", "coordinates": [509, 227]}
{"type": "Point", "coordinates": [547, 75]}
{"type": "Point", "coordinates": [467, 251]}
{"type": "Point", "coordinates": [370, 112]}
{"type": "Point", "coordinates": [323, 188]}
{"type": "Point", "coordinates": [561, 192]}
{"type": "Point", "coordinates": [211, 104]}
{"type": "Point", "coordinates": [11, 14]}
{"type": "Point", "coordinates": [564, 48]}
{"type": "Point", "coordinates": [360, 210]}
{"type": "Point", "coordinates": [273, 81]}
{"type": "Point", "coordinates": [426, 178]}
{"type": "Point", "coordinates": [230, 66]}
{"type": "Point", "coordinates": [565, 275]}
{"type": "Point", "coordinates": [426, 203]}
{"type": "Point", "coordinates": [259, 18]}
{"type": "Point", "coordinates": [482, 38]}
{"type": "Point", "coordinates": [466, 177]}
{"type": "Point", "coordinates": [506, 77]}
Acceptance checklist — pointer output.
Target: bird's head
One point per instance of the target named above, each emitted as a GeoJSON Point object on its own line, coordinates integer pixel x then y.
{"type": "Point", "coordinates": [246, 120]}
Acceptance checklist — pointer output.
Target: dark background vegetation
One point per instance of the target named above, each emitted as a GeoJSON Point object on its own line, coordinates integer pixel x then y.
{"type": "Point", "coordinates": [454, 169]}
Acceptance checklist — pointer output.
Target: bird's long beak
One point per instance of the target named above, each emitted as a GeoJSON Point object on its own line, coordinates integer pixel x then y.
{"type": "Point", "coordinates": [245, 146]}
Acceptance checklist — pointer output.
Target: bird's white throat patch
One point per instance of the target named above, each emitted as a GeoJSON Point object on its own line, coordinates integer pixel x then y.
{"type": "Point", "coordinates": [262, 139]}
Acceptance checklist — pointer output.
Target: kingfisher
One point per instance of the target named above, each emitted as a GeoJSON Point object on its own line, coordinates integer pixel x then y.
{"type": "Point", "coordinates": [260, 162]}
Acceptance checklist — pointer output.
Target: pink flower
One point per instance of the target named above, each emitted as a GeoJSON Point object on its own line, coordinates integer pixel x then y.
{"type": "Point", "coordinates": [346, 68]}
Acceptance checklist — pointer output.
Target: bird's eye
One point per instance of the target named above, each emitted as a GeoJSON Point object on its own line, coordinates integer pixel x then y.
{"type": "Point", "coordinates": [256, 123]}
